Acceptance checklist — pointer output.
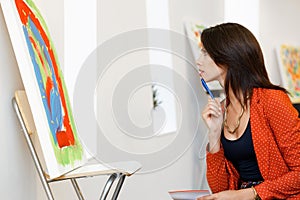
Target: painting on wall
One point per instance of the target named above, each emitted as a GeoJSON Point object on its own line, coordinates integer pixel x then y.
{"type": "Point", "coordinates": [45, 87]}
{"type": "Point", "coordinates": [289, 66]}
{"type": "Point", "coordinates": [193, 30]}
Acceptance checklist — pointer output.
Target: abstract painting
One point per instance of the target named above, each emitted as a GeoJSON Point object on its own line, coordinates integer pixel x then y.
{"type": "Point", "coordinates": [45, 87]}
{"type": "Point", "coordinates": [289, 66]}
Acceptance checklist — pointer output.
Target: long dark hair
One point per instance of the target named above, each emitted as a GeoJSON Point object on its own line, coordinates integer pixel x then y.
{"type": "Point", "coordinates": [235, 49]}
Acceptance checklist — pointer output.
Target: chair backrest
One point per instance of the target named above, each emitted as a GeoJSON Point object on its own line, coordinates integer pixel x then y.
{"type": "Point", "coordinates": [26, 115]}
{"type": "Point", "coordinates": [22, 101]}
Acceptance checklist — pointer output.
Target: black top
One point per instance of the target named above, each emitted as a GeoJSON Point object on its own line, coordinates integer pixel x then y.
{"type": "Point", "coordinates": [297, 106]}
{"type": "Point", "coordinates": [241, 153]}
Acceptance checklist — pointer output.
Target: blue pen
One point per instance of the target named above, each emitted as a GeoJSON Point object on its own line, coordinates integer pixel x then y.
{"type": "Point", "coordinates": [206, 88]}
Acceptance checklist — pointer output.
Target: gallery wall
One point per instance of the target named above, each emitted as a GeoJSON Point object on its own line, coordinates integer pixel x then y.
{"type": "Point", "coordinates": [16, 169]}
{"type": "Point", "coordinates": [278, 25]}
{"type": "Point", "coordinates": [187, 171]}
{"type": "Point", "coordinates": [278, 22]}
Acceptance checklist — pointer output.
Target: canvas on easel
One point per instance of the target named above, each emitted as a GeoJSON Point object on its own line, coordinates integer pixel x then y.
{"type": "Point", "coordinates": [289, 66]}
{"type": "Point", "coordinates": [45, 87]}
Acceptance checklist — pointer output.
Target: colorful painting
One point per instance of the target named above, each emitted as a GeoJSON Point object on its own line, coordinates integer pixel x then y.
{"type": "Point", "coordinates": [45, 87]}
{"type": "Point", "coordinates": [289, 64]}
{"type": "Point", "coordinates": [193, 30]}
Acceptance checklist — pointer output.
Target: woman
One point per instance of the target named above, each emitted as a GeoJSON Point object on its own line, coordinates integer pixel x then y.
{"type": "Point", "coordinates": [254, 142]}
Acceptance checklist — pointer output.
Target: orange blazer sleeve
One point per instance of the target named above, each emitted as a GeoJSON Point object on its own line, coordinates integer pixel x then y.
{"type": "Point", "coordinates": [221, 174]}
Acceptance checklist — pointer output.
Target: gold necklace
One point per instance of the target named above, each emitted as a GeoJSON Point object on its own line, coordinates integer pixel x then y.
{"type": "Point", "coordinates": [237, 124]}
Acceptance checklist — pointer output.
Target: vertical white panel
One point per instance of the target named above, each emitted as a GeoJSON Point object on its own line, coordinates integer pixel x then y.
{"type": "Point", "coordinates": [158, 17]}
{"type": "Point", "coordinates": [245, 12]}
{"type": "Point", "coordinates": [80, 40]}
{"type": "Point", "coordinates": [80, 37]}
{"type": "Point", "coordinates": [158, 14]}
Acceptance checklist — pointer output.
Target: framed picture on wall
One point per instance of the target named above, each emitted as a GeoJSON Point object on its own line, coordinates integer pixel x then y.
{"type": "Point", "coordinates": [45, 87]}
{"type": "Point", "coordinates": [289, 68]}
{"type": "Point", "coordinates": [193, 30]}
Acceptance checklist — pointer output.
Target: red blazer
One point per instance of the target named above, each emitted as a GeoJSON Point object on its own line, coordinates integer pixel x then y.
{"type": "Point", "coordinates": [275, 130]}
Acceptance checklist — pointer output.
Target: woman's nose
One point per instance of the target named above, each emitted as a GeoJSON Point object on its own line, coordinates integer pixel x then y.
{"type": "Point", "coordinates": [199, 61]}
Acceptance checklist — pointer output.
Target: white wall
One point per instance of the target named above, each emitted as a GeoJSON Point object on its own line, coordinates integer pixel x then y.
{"type": "Point", "coordinates": [117, 17]}
{"type": "Point", "coordinates": [208, 12]}
{"type": "Point", "coordinates": [278, 23]}
{"type": "Point", "coordinates": [16, 169]}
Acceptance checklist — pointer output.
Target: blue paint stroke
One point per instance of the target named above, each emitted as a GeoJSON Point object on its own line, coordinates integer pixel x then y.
{"type": "Point", "coordinates": [54, 112]}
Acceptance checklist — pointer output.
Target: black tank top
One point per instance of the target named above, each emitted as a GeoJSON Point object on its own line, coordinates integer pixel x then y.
{"type": "Point", "coordinates": [241, 153]}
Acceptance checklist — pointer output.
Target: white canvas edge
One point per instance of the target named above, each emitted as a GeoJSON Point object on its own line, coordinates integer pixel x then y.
{"type": "Point", "coordinates": [281, 67]}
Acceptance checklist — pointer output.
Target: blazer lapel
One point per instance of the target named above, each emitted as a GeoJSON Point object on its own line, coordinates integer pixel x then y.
{"type": "Point", "coordinates": [260, 132]}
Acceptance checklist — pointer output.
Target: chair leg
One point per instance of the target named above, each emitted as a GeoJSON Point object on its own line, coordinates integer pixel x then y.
{"type": "Point", "coordinates": [77, 189]}
{"type": "Point", "coordinates": [33, 152]}
{"type": "Point", "coordinates": [108, 185]}
{"type": "Point", "coordinates": [119, 186]}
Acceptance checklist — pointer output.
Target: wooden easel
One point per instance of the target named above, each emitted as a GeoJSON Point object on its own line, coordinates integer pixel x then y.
{"type": "Point", "coordinates": [115, 171]}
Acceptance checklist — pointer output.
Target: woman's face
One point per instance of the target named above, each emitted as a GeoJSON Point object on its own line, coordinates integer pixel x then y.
{"type": "Point", "coordinates": [208, 69]}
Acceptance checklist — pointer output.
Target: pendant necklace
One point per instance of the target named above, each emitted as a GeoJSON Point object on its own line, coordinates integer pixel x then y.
{"type": "Point", "coordinates": [237, 124]}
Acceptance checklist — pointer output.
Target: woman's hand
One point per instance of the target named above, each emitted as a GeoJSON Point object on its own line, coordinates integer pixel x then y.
{"type": "Point", "coordinates": [213, 118]}
{"type": "Point", "coordinates": [213, 115]}
{"type": "Point", "coordinates": [244, 194]}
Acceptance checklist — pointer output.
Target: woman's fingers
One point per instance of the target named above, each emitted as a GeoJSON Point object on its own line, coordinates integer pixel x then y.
{"type": "Point", "coordinates": [208, 197]}
{"type": "Point", "coordinates": [213, 108]}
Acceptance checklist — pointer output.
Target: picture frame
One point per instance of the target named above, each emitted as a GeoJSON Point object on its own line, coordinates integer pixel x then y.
{"type": "Point", "coordinates": [289, 67]}
{"type": "Point", "coordinates": [193, 31]}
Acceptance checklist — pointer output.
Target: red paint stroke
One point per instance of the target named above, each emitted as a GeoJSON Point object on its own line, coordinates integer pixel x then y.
{"type": "Point", "coordinates": [66, 137]}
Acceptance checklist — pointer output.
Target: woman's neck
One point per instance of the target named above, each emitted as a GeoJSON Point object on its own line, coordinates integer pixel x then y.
{"type": "Point", "coordinates": [234, 101]}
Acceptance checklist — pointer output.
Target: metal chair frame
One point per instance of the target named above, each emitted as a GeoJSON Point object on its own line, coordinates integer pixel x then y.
{"type": "Point", "coordinates": [113, 174]}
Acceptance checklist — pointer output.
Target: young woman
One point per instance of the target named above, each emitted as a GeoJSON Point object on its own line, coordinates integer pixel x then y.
{"type": "Point", "coordinates": [254, 141]}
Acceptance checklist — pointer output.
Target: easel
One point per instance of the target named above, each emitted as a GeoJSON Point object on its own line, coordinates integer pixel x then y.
{"type": "Point", "coordinates": [115, 170]}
